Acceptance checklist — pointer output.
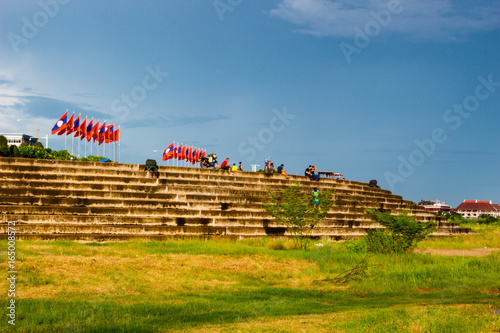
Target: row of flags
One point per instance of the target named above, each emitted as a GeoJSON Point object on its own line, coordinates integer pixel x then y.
{"type": "Point", "coordinates": [90, 131]}
{"type": "Point", "coordinates": [183, 152]}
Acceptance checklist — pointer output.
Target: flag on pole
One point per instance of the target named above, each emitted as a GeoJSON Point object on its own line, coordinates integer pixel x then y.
{"type": "Point", "coordinates": [83, 129]}
{"type": "Point", "coordinates": [69, 127]}
{"type": "Point", "coordinates": [60, 124]}
{"type": "Point", "coordinates": [183, 156]}
{"type": "Point", "coordinates": [117, 134]}
{"type": "Point", "coordinates": [95, 131]}
{"type": "Point", "coordinates": [76, 126]}
{"type": "Point", "coordinates": [168, 153]}
{"type": "Point", "coordinates": [194, 157]}
{"type": "Point", "coordinates": [109, 137]}
{"type": "Point", "coordinates": [179, 152]}
{"type": "Point", "coordinates": [175, 152]}
{"type": "Point", "coordinates": [90, 131]}
{"type": "Point", "coordinates": [102, 132]}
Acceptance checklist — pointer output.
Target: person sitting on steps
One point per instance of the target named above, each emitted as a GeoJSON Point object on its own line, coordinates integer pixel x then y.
{"type": "Point", "coordinates": [225, 165]}
{"type": "Point", "coordinates": [282, 171]}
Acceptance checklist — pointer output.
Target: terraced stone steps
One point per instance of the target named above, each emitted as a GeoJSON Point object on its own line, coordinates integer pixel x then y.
{"type": "Point", "coordinates": [106, 200]}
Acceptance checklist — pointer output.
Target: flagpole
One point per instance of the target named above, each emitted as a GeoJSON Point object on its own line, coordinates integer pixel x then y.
{"type": "Point", "coordinates": [85, 136]}
{"type": "Point", "coordinates": [73, 128]}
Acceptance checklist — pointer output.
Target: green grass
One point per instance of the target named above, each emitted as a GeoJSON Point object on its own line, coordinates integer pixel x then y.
{"type": "Point", "coordinates": [259, 285]}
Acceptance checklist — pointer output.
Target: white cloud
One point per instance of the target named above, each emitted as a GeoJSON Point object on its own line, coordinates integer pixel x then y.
{"type": "Point", "coordinates": [442, 20]}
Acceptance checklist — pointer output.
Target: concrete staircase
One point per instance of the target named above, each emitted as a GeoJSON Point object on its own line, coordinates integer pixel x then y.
{"type": "Point", "coordinates": [98, 201]}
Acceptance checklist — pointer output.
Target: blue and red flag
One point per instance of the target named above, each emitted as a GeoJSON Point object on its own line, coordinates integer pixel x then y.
{"type": "Point", "coordinates": [168, 153]}
{"type": "Point", "coordinates": [61, 124]}
{"type": "Point", "coordinates": [179, 152]}
{"type": "Point", "coordinates": [90, 133]}
{"type": "Point", "coordinates": [102, 132]}
{"type": "Point", "coordinates": [76, 126]}
{"type": "Point", "coordinates": [194, 157]}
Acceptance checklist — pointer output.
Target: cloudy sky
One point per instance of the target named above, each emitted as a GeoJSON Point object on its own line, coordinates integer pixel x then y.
{"type": "Point", "coordinates": [404, 92]}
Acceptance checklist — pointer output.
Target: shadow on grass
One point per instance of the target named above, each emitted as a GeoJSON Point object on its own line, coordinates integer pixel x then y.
{"type": "Point", "coordinates": [187, 311]}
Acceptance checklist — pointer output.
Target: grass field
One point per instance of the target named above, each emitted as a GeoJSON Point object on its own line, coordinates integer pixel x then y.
{"type": "Point", "coordinates": [260, 285]}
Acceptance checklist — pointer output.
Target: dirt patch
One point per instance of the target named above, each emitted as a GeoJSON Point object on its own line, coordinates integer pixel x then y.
{"type": "Point", "coordinates": [470, 253]}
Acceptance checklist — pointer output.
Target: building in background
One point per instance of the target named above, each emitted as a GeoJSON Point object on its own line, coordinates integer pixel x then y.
{"type": "Point", "coordinates": [439, 206]}
{"type": "Point", "coordinates": [472, 209]}
{"type": "Point", "coordinates": [17, 138]}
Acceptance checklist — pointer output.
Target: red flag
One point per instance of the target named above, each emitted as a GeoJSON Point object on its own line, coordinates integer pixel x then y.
{"type": "Point", "coordinates": [69, 128]}
{"type": "Point", "coordinates": [61, 124]}
{"type": "Point", "coordinates": [183, 156]}
{"type": "Point", "coordinates": [83, 129]}
{"type": "Point", "coordinates": [168, 153]}
{"type": "Point", "coordinates": [109, 134]}
{"type": "Point", "coordinates": [95, 132]}
{"type": "Point", "coordinates": [117, 135]}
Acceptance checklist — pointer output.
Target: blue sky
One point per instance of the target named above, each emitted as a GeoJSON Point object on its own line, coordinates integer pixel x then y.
{"type": "Point", "coordinates": [405, 92]}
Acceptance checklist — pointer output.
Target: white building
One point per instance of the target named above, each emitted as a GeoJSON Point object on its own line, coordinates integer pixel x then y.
{"type": "Point", "coordinates": [472, 209]}
{"type": "Point", "coordinates": [17, 138]}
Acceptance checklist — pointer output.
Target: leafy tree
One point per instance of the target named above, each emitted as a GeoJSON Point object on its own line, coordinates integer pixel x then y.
{"type": "Point", "coordinates": [401, 233]}
{"type": "Point", "coordinates": [4, 148]}
{"type": "Point", "coordinates": [14, 151]}
{"type": "Point", "coordinates": [426, 202]}
{"type": "Point", "coordinates": [38, 144]}
{"type": "Point", "coordinates": [293, 206]}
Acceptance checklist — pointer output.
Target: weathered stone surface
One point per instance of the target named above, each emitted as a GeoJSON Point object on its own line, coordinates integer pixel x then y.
{"type": "Point", "coordinates": [92, 200]}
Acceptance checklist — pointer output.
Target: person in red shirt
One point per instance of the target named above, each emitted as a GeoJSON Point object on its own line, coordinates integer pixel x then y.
{"type": "Point", "coordinates": [225, 165]}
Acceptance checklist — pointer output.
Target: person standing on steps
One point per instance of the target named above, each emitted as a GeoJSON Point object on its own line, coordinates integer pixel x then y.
{"type": "Point", "coordinates": [240, 167]}
{"type": "Point", "coordinates": [315, 195]}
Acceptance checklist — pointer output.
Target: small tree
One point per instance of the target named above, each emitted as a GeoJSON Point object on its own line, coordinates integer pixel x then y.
{"type": "Point", "coordinates": [293, 206]}
{"type": "Point", "coordinates": [401, 233]}
{"type": "Point", "coordinates": [4, 148]}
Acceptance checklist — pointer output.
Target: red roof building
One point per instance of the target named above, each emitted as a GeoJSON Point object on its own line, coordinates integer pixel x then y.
{"type": "Point", "coordinates": [474, 208]}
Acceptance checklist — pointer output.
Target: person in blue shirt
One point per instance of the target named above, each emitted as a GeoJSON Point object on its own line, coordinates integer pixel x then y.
{"type": "Point", "coordinates": [282, 171]}
{"type": "Point", "coordinates": [315, 195]}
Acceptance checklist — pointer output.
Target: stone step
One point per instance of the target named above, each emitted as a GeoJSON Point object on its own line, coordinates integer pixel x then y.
{"type": "Point", "coordinates": [335, 219]}
{"type": "Point", "coordinates": [54, 230]}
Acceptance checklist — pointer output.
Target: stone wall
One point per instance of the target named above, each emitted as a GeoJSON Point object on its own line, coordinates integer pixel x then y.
{"type": "Point", "coordinates": [97, 201]}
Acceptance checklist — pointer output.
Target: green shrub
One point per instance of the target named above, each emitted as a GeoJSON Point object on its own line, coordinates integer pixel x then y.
{"type": "Point", "coordinates": [401, 233]}
{"type": "Point", "coordinates": [355, 245]}
{"type": "Point", "coordinates": [92, 158]}
{"type": "Point", "coordinates": [487, 219]}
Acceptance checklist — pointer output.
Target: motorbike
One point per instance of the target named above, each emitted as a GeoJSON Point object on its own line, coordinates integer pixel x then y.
{"type": "Point", "coordinates": [209, 162]}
